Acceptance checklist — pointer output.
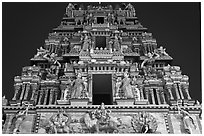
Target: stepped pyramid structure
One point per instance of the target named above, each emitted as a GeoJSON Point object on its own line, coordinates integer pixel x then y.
{"type": "Point", "coordinates": [101, 71]}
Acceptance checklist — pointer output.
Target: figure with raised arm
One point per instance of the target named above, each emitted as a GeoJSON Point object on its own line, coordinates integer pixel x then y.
{"type": "Point", "coordinates": [188, 121]}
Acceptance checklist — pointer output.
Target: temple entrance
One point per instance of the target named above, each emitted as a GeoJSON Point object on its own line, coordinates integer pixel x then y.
{"type": "Point", "coordinates": [100, 20]}
{"type": "Point", "coordinates": [101, 41]}
{"type": "Point", "coordinates": [102, 89]}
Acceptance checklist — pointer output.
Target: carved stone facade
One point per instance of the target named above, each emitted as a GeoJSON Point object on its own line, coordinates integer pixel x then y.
{"type": "Point", "coordinates": [145, 93]}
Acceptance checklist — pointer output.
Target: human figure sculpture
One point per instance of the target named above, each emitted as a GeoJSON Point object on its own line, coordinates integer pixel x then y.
{"type": "Point", "coordinates": [90, 18]}
{"type": "Point", "coordinates": [131, 10]}
{"type": "Point", "coordinates": [87, 43]}
{"type": "Point", "coordinates": [135, 89]}
{"type": "Point", "coordinates": [118, 85]}
{"type": "Point", "coordinates": [70, 9]}
{"type": "Point", "coordinates": [149, 60]}
{"type": "Point", "coordinates": [18, 119]}
{"type": "Point", "coordinates": [85, 91]}
{"type": "Point", "coordinates": [111, 18]}
{"type": "Point", "coordinates": [41, 52]}
{"type": "Point", "coordinates": [126, 86]}
{"type": "Point", "coordinates": [100, 120]}
{"type": "Point", "coordinates": [55, 65]}
{"type": "Point", "coordinates": [161, 51]}
{"type": "Point", "coordinates": [188, 121]}
{"type": "Point", "coordinates": [110, 43]}
{"type": "Point", "coordinates": [78, 87]}
{"type": "Point", "coordinates": [60, 123]}
{"type": "Point", "coordinates": [116, 43]}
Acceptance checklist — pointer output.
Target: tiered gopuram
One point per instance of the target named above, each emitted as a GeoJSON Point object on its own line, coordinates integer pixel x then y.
{"type": "Point", "coordinates": [101, 71]}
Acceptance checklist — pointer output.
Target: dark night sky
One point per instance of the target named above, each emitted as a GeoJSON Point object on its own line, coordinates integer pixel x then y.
{"type": "Point", "coordinates": [176, 26]}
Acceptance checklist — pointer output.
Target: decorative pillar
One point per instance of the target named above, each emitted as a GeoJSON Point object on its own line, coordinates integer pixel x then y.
{"type": "Point", "coordinates": [46, 95]}
{"type": "Point", "coordinates": [51, 96]}
{"type": "Point", "coordinates": [34, 89]}
{"type": "Point", "coordinates": [17, 88]}
{"type": "Point", "coordinates": [23, 90]}
{"type": "Point", "coordinates": [187, 92]}
{"type": "Point", "coordinates": [62, 88]}
{"type": "Point", "coordinates": [181, 92]}
{"type": "Point", "coordinates": [26, 91]}
{"type": "Point", "coordinates": [158, 96]}
{"type": "Point", "coordinates": [163, 97]}
{"type": "Point", "coordinates": [40, 97]}
{"type": "Point", "coordinates": [90, 87]}
{"type": "Point", "coordinates": [170, 92]}
{"type": "Point", "coordinates": [147, 93]}
{"type": "Point", "coordinates": [176, 90]}
{"type": "Point", "coordinates": [141, 92]}
{"type": "Point", "coordinates": [56, 93]}
{"type": "Point", "coordinates": [152, 93]}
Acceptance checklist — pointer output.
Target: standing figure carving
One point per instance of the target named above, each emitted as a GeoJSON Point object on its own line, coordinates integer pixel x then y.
{"type": "Point", "coordinates": [116, 44]}
{"type": "Point", "coordinates": [85, 92]}
{"type": "Point", "coordinates": [188, 121]}
{"type": "Point", "coordinates": [18, 119]}
{"type": "Point", "coordinates": [126, 86]}
{"type": "Point", "coordinates": [131, 9]}
{"type": "Point", "coordinates": [78, 87]}
{"type": "Point", "coordinates": [118, 85]}
{"type": "Point", "coordinates": [67, 90]}
{"type": "Point", "coordinates": [70, 9]}
{"type": "Point", "coordinates": [135, 89]}
{"type": "Point", "coordinates": [87, 43]}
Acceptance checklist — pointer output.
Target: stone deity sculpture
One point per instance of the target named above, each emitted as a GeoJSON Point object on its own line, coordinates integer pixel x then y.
{"type": "Point", "coordinates": [116, 44]}
{"type": "Point", "coordinates": [78, 87]}
{"type": "Point", "coordinates": [126, 86]}
{"type": "Point", "coordinates": [60, 123]}
{"type": "Point", "coordinates": [69, 10]}
{"type": "Point", "coordinates": [55, 65]}
{"type": "Point", "coordinates": [135, 89]}
{"type": "Point", "coordinates": [131, 9]}
{"type": "Point", "coordinates": [188, 121]}
{"type": "Point", "coordinates": [87, 43]}
{"type": "Point", "coordinates": [118, 85]}
{"type": "Point", "coordinates": [67, 90]}
{"type": "Point", "coordinates": [18, 119]}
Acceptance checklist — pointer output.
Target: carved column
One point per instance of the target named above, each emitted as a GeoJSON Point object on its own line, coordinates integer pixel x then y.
{"type": "Point", "coordinates": [34, 89]}
{"type": "Point", "coordinates": [163, 97]}
{"type": "Point", "coordinates": [40, 97]}
{"type": "Point", "coordinates": [17, 88]}
{"type": "Point", "coordinates": [23, 90]}
{"type": "Point", "coordinates": [181, 92]}
{"type": "Point", "coordinates": [152, 94]}
{"type": "Point", "coordinates": [141, 92]}
{"type": "Point", "coordinates": [176, 90]}
{"type": "Point", "coordinates": [51, 96]}
{"type": "Point", "coordinates": [187, 92]}
{"type": "Point", "coordinates": [170, 92]}
{"type": "Point", "coordinates": [147, 93]}
{"type": "Point", "coordinates": [90, 87]}
{"type": "Point", "coordinates": [56, 94]}
{"type": "Point", "coordinates": [26, 91]}
{"type": "Point", "coordinates": [46, 95]}
{"type": "Point", "coordinates": [62, 88]}
{"type": "Point", "coordinates": [158, 96]}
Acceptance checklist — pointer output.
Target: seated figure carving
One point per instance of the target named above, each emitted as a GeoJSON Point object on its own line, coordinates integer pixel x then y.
{"type": "Point", "coordinates": [60, 122]}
